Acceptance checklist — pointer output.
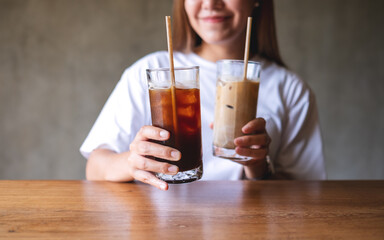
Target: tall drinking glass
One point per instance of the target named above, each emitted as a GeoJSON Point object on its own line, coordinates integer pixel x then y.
{"type": "Point", "coordinates": [185, 127]}
{"type": "Point", "coordinates": [236, 104]}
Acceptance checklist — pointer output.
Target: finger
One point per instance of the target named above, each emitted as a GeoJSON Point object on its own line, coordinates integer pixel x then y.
{"type": "Point", "coordinates": [250, 140]}
{"type": "Point", "coordinates": [156, 150]}
{"type": "Point", "coordinates": [256, 125]}
{"type": "Point", "coordinates": [151, 179]}
{"type": "Point", "coordinates": [260, 153]}
{"type": "Point", "coordinates": [151, 132]}
{"type": "Point", "coordinates": [146, 164]}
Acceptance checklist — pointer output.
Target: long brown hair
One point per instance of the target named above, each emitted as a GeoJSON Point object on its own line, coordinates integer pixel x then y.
{"type": "Point", "coordinates": [263, 38]}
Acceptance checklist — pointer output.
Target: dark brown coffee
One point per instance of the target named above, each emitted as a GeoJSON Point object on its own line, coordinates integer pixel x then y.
{"type": "Point", "coordinates": [186, 136]}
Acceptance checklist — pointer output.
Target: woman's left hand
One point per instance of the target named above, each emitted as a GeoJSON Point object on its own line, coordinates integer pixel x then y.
{"type": "Point", "coordinates": [254, 144]}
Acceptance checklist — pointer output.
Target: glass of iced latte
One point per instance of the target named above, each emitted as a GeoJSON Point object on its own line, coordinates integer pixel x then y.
{"type": "Point", "coordinates": [236, 104]}
{"type": "Point", "coordinates": [177, 110]}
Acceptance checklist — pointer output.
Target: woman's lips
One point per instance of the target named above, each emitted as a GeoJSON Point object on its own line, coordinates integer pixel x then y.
{"type": "Point", "coordinates": [215, 19]}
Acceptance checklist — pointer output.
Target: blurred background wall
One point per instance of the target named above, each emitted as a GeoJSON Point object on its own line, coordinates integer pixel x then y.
{"type": "Point", "coordinates": [60, 60]}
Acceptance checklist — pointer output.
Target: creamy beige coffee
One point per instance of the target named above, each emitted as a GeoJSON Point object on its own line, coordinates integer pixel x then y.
{"type": "Point", "coordinates": [235, 106]}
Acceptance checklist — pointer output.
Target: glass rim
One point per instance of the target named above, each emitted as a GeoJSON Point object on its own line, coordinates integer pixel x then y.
{"type": "Point", "coordinates": [168, 69]}
{"type": "Point", "coordinates": [237, 61]}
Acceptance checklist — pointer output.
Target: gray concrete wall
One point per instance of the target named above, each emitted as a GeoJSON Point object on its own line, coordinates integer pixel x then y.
{"type": "Point", "coordinates": [60, 59]}
{"type": "Point", "coordinates": [337, 47]}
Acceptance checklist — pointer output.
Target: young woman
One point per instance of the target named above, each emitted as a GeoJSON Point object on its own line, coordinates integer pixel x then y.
{"type": "Point", "coordinates": [205, 31]}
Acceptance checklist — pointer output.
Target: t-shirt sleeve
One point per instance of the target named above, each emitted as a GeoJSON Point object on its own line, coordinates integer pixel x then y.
{"type": "Point", "coordinates": [301, 151]}
{"type": "Point", "coordinates": [124, 113]}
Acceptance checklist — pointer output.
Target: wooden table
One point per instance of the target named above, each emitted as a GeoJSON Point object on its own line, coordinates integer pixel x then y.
{"type": "Point", "coordinates": [199, 210]}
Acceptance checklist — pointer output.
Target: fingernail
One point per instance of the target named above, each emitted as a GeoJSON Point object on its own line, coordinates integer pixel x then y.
{"type": "Point", "coordinates": [175, 154]}
{"type": "Point", "coordinates": [163, 186]}
{"type": "Point", "coordinates": [163, 134]}
{"type": "Point", "coordinates": [173, 169]}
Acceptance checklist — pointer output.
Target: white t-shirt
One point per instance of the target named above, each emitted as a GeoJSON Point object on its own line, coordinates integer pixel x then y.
{"type": "Point", "coordinates": [286, 102]}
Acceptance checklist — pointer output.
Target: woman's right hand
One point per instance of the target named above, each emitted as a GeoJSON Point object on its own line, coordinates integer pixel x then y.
{"type": "Point", "coordinates": [136, 164]}
{"type": "Point", "coordinates": [141, 166]}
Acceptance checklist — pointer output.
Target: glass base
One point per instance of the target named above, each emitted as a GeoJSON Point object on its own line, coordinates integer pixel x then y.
{"type": "Point", "coordinates": [182, 177]}
{"type": "Point", "coordinates": [228, 154]}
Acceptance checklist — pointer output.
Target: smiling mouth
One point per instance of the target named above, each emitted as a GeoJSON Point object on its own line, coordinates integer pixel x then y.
{"type": "Point", "coordinates": [216, 19]}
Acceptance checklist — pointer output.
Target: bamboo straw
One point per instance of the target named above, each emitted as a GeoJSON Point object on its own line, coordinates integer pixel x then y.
{"type": "Point", "coordinates": [172, 72]}
{"type": "Point", "coordinates": [247, 43]}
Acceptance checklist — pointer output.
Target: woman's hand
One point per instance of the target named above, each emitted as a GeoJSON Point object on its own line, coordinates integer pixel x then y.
{"type": "Point", "coordinates": [136, 164]}
{"type": "Point", "coordinates": [254, 144]}
{"type": "Point", "coordinates": [141, 167]}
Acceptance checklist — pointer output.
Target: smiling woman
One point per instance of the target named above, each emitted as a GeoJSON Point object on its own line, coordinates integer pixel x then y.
{"type": "Point", "coordinates": [60, 60]}
{"type": "Point", "coordinates": [121, 145]}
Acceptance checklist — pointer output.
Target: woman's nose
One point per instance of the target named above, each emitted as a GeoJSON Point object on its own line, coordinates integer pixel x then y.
{"type": "Point", "coordinates": [212, 4]}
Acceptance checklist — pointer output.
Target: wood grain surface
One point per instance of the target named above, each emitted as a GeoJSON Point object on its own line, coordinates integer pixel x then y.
{"type": "Point", "coordinates": [200, 210]}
